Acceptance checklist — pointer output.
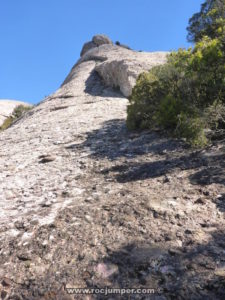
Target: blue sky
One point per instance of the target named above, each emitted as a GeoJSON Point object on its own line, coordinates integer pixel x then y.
{"type": "Point", "coordinates": [41, 39]}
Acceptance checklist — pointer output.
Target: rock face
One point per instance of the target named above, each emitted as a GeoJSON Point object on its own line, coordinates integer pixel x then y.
{"type": "Point", "coordinates": [97, 40]}
{"type": "Point", "coordinates": [85, 203]}
{"type": "Point", "coordinates": [87, 46]}
{"type": "Point", "coordinates": [7, 107]}
{"type": "Point", "coordinates": [118, 67]}
{"type": "Point", "coordinates": [101, 39]}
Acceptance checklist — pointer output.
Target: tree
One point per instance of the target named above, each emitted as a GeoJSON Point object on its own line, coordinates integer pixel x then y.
{"type": "Point", "coordinates": [208, 22]}
{"type": "Point", "coordinates": [186, 95]}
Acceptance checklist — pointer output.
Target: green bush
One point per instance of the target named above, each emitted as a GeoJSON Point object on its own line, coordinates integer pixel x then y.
{"type": "Point", "coordinates": [192, 129]}
{"type": "Point", "coordinates": [7, 123]}
{"type": "Point", "coordinates": [144, 100]}
{"type": "Point", "coordinates": [16, 114]}
{"type": "Point", "coordinates": [20, 110]}
{"type": "Point", "coordinates": [214, 115]}
{"type": "Point", "coordinates": [168, 112]}
{"type": "Point", "coordinates": [185, 96]}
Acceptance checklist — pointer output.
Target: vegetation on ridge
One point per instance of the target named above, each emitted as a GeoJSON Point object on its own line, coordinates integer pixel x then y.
{"type": "Point", "coordinates": [186, 96]}
{"type": "Point", "coordinates": [16, 114]}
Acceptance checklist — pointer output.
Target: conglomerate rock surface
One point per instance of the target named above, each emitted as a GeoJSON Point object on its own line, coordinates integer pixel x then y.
{"type": "Point", "coordinates": [85, 203]}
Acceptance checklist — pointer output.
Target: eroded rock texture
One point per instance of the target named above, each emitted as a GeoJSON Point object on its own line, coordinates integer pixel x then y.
{"type": "Point", "coordinates": [85, 203]}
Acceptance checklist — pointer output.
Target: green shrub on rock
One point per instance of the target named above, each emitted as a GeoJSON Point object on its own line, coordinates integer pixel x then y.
{"type": "Point", "coordinates": [186, 96]}
{"type": "Point", "coordinates": [192, 129]}
{"type": "Point", "coordinates": [214, 115]}
{"type": "Point", "coordinates": [7, 123]}
{"type": "Point", "coordinates": [20, 110]}
{"type": "Point", "coordinates": [144, 101]}
{"type": "Point", "coordinates": [16, 114]}
{"type": "Point", "coordinates": [168, 112]}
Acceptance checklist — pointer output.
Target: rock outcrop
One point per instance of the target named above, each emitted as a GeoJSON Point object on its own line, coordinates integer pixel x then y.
{"type": "Point", "coordinates": [97, 41]}
{"type": "Point", "coordinates": [7, 107]}
{"type": "Point", "coordinates": [85, 203]}
{"type": "Point", "coordinates": [118, 67]}
{"type": "Point", "coordinates": [101, 39]}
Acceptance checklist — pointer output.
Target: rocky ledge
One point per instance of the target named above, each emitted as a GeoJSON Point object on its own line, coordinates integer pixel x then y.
{"type": "Point", "coordinates": [85, 203]}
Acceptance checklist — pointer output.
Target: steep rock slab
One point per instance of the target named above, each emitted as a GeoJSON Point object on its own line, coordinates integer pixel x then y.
{"type": "Point", "coordinates": [7, 107]}
{"type": "Point", "coordinates": [84, 202]}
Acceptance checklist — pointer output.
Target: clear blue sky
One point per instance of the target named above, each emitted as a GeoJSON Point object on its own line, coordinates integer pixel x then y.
{"type": "Point", "coordinates": [42, 39]}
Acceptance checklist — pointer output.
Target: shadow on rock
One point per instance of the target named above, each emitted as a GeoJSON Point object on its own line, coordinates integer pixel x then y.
{"type": "Point", "coordinates": [95, 86]}
{"type": "Point", "coordinates": [212, 174]}
{"type": "Point", "coordinates": [220, 202]}
{"type": "Point", "coordinates": [197, 271]}
{"type": "Point", "coordinates": [194, 271]}
{"type": "Point", "coordinates": [113, 141]}
{"type": "Point", "coordinates": [133, 171]}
